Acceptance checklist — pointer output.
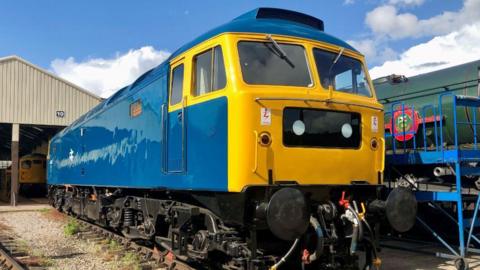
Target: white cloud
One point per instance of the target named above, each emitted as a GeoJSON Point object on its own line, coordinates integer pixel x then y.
{"type": "Point", "coordinates": [387, 21]}
{"type": "Point", "coordinates": [105, 76]}
{"type": "Point", "coordinates": [374, 52]}
{"type": "Point", "coordinates": [348, 2]}
{"type": "Point", "coordinates": [444, 51]}
{"type": "Point", "coordinates": [406, 2]}
{"type": "Point", "coordinates": [367, 47]}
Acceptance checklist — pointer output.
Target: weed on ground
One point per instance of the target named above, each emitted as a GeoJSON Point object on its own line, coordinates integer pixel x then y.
{"type": "Point", "coordinates": [72, 227]}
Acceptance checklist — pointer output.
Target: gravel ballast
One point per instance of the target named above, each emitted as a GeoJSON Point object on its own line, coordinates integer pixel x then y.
{"type": "Point", "coordinates": [43, 233]}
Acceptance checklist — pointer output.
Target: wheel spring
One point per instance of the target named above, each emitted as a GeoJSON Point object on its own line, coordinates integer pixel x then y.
{"type": "Point", "coordinates": [128, 217]}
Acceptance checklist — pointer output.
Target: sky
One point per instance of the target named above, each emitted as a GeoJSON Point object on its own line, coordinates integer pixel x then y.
{"type": "Point", "coordinates": [105, 45]}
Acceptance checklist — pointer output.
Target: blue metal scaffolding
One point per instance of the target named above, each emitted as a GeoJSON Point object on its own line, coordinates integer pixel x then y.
{"type": "Point", "coordinates": [457, 157]}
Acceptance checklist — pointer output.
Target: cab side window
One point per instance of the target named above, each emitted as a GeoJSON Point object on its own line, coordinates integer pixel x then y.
{"type": "Point", "coordinates": [176, 86]}
{"type": "Point", "coordinates": [209, 71]}
{"type": "Point", "coordinates": [26, 164]}
{"type": "Point", "coordinates": [37, 162]}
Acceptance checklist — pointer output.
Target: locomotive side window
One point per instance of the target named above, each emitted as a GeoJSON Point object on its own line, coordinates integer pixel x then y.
{"type": "Point", "coordinates": [203, 70]}
{"type": "Point", "coordinates": [345, 75]}
{"type": "Point", "coordinates": [267, 63]}
{"type": "Point", "coordinates": [219, 78]}
{"type": "Point", "coordinates": [37, 162]}
{"type": "Point", "coordinates": [176, 85]}
{"type": "Point", "coordinates": [209, 71]}
{"type": "Point", "coordinates": [26, 164]}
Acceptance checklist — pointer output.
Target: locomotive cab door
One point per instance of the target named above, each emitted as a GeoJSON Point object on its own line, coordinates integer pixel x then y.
{"type": "Point", "coordinates": [175, 138]}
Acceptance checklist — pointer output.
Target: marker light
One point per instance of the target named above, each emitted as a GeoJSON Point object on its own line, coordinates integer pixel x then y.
{"type": "Point", "coordinates": [265, 139]}
{"type": "Point", "coordinates": [374, 144]}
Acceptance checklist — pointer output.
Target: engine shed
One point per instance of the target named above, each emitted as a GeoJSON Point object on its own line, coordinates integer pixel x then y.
{"type": "Point", "coordinates": [34, 105]}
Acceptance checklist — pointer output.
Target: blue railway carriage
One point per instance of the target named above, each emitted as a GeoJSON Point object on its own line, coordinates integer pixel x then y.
{"type": "Point", "coordinates": [255, 146]}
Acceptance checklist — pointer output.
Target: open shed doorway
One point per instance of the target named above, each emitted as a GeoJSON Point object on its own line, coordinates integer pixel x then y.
{"type": "Point", "coordinates": [32, 160]}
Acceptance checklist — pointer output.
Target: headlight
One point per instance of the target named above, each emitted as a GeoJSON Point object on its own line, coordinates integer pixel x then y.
{"type": "Point", "coordinates": [298, 127]}
{"type": "Point", "coordinates": [347, 130]}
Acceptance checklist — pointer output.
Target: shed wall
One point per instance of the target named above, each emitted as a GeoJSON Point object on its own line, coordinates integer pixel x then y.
{"type": "Point", "coordinates": [29, 95]}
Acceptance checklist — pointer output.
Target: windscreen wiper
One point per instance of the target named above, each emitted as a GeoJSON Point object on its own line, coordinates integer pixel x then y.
{"type": "Point", "coordinates": [277, 47]}
{"type": "Point", "coordinates": [330, 79]}
{"type": "Point", "coordinates": [335, 60]}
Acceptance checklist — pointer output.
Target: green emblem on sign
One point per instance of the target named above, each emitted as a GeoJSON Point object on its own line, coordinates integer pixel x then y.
{"type": "Point", "coordinates": [403, 122]}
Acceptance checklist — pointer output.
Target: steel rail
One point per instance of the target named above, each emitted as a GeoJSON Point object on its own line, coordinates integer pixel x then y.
{"type": "Point", "coordinates": [7, 261]}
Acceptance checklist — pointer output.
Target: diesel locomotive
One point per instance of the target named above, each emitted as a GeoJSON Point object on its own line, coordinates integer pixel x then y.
{"type": "Point", "coordinates": [33, 169]}
{"type": "Point", "coordinates": [33, 173]}
{"type": "Point", "coordinates": [258, 144]}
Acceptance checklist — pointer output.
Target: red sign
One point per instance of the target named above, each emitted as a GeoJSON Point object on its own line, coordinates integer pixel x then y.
{"type": "Point", "coordinates": [406, 123]}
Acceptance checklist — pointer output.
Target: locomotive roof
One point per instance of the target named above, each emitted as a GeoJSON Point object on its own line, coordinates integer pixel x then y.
{"type": "Point", "coordinates": [272, 21]}
{"type": "Point", "coordinates": [34, 155]}
{"type": "Point", "coordinates": [260, 20]}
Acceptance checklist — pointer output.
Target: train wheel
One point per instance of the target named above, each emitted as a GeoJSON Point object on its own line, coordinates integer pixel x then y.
{"type": "Point", "coordinates": [461, 264]}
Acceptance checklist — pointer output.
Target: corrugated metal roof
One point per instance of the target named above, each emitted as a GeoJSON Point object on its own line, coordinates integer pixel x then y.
{"type": "Point", "coordinates": [31, 95]}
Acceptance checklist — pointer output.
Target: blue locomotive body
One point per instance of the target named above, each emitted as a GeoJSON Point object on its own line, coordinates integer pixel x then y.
{"type": "Point", "coordinates": [110, 148]}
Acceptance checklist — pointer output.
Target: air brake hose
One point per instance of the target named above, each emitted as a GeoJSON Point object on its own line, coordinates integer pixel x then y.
{"type": "Point", "coordinates": [372, 242]}
{"type": "Point", "coordinates": [353, 244]}
{"type": "Point", "coordinates": [359, 220]}
{"type": "Point", "coordinates": [357, 230]}
{"type": "Point", "coordinates": [285, 257]}
{"type": "Point", "coordinates": [369, 229]}
{"type": "Point", "coordinates": [318, 230]}
{"type": "Point", "coordinates": [376, 261]}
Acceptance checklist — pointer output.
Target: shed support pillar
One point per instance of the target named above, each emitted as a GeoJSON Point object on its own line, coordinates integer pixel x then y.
{"type": "Point", "coordinates": [14, 175]}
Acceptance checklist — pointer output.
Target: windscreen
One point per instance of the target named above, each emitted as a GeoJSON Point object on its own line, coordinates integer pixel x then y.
{"type": "Point", "coordinates": [345, 75]}
{"type": "Point", "coordinates": [263, 63]}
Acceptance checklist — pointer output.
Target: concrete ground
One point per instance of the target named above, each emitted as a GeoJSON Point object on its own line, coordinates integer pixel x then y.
{"type": "Point", "coordinates": [399, 254]}
{"type": "Point", "coordinates": [394, 259]}
{"type": "Point", "coordinates": [25, 204]}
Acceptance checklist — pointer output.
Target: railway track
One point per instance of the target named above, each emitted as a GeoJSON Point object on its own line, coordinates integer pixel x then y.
{"type": "Point", "coordinates": [150, 258]}
{"type": "Point", "coordinates": [11, 254]}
